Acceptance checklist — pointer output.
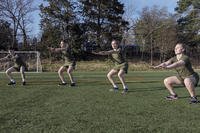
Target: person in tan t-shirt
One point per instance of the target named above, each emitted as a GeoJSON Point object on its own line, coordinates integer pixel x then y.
{"type": "Point", "coordinates": [120, 67]}
{"type": "Point", "coordinates": [185, 74]}
{"type": "Point", "coordinates": [69, 65]}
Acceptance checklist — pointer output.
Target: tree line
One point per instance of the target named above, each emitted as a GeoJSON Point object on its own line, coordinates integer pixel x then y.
{"type": "Point", "coordinates": [94, 23]}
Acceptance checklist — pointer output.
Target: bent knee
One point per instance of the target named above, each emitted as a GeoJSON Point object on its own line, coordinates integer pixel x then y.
{"type": "Point", "coordinates": [60, 71]}
{"type": "Point", "coordinates": [21, 71]}
{"type": "Point", "coordinates": [188, 82]}
{"type": "Point", "coordinates": [120, 75]}
{"type": "Point", "coordinates": [69, 72]}
{"type": "Point", "coordinates": [167, 81]}
{"type": "Point", "coordinates": [109, 75]}
{"type": "Point", "coordinates": [7, 72]}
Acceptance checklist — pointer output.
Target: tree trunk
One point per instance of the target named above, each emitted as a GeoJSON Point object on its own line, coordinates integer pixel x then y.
{"type": "Point", "coordinates": [24, 38]}
{"type": "Point", "coordinates": [151, 49]}
{"type": "Point", "coordinates": [14, 41]}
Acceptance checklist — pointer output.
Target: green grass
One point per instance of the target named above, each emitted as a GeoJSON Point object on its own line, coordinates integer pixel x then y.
{"type": "Point", "coordinates": [43, 107]}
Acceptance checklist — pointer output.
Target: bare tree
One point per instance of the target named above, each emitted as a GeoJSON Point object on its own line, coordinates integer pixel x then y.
{"type": "Point", "coordinates": [156, 32]}
{"type": "Point", "coordinates": [128, 35]}
{"type": "Point", "coordinates": [166, 38]}
{"type": "Point", "coordinates": [16, 12]}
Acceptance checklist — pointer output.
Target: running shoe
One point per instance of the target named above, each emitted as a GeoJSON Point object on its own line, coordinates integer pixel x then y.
{"type": "Point", "coordinates": [125, 91]}
{"type": "Point", "coordinates": [73, 84]}
{"type": "Point", "coordinates": [193, 100]}
{"type": "Point", "coordinates": [172, 97]}
{"type": "Point", "coordinates": [62, 84]}
{"type": "Point", "coordinates": [24, 83]}
{"type": "Point", "coordinates": [115, 89]}
{"type": "Point", "coordinates": [12, 83]}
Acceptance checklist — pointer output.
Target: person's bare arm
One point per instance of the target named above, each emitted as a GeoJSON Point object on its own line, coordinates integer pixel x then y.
{"type": "Point", "coordinates": [175, 65]}
{"type": "Point", "coordinates": [104, 52]}
{"type": "Point", "coordinates": [56, 50]}
{"type": "Point", "coordinates": [163, 65]}
{"type": "Point", "coordinates": [4, 59]}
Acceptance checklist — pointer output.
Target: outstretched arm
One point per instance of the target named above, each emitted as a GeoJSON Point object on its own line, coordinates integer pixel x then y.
{"type": "Point", "coordinates": [100, 53]}
{"type": "Point", "coordinates": [163, 65]}
{"type": "Point", "coordinates": [104, 52]}
{"type": "Point", "coordinates": [56, 50]}
{"type": "Point", "coordinates": [175, 65]}
{"type": "Point", "coordinates": [4, 59]}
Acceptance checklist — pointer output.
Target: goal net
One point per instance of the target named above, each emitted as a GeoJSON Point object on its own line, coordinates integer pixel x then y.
{"type": "Point", "coordinates": [32, 59]}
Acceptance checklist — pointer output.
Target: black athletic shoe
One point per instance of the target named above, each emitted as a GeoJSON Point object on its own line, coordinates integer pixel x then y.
{"type": "Point", "coordinates": [62, 84]}
{"type": "Point", "coordinates": [115, 89]}
{"type": "Point", "coordinates": [73, 84]}
{"type": "Point", "coordinates": [24, 83]}
{"type": "Point", "coordinates": [125, 91]}
{"type": "Point", "coordinates": [193, 100]}
{"type": "Point", "coordinates": [12, 83]}
{"type": "Point", "coordinates": [172, 97]}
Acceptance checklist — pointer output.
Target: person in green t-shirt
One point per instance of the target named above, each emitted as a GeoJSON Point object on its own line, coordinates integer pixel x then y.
{"type": "Point", "coordinates": [185, 74]}
{"type": "Point", "coordinates": [19, 65]}
{"type": "Point", "coordinates": [120, 67]}
{"type": "Point", "coordinates": [69, 64]}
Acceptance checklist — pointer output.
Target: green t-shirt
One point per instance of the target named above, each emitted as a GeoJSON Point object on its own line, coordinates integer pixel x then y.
{"type": "Point", "coordinates": [185, 70]}
{"type": "Point", "coordinates": [118, 56]}
{"type": "Point", "coordinates": [68, 55]}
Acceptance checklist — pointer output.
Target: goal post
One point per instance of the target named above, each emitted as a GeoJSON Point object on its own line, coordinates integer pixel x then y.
{"type": "Point", "coordinates": [32, 59]}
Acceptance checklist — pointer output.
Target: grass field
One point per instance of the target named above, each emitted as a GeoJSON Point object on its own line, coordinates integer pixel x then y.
{"type": "Point", "coordinates": [44, 107]}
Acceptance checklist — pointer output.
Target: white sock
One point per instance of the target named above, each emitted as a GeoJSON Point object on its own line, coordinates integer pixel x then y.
{"type": "Point", "coordinates": [115, 86]}
{"type": "Point", "coordinates": [125, 87]}
{"type": "Point", "coordinates": [12, 80]}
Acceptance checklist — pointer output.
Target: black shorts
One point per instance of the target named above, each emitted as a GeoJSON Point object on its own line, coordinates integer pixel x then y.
{"type": "Point", "coordinates": [17, 68]}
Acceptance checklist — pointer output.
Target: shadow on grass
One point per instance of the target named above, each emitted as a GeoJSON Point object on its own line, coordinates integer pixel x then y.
{"type": "Point", "coordinates": [44, 82]}
{"type": "Point", "coordinates": [184, 97]}
{"type": "Point", "coordinates": [146, 89]}
{"type": "Point", "coordinates": [96, 83]}
{"type": "Point", "coordinates": [89, 82]}
{"type": "Point", "coordinates": [151, 81]}
{"type": "Point", "coordinates": [143, 89]}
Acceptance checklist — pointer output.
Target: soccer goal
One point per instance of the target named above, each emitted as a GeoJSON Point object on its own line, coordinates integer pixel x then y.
{"type": "Point", "coordinates": [32, 59]}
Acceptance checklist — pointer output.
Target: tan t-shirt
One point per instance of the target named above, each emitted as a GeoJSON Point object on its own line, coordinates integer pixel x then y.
{"type": "Point", "coordinates": [118, 56]}
{"type": "Point", "coordinates": [185, 70]}
{"type": "Point", "coordinates": [68, 55]}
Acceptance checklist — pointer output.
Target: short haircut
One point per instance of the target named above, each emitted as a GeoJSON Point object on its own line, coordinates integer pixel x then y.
{"type": "Point", "coordinates": [181, 44]}
{"type": "Point", "coordinates": [62, 40]}
{"type": "Point", "coordinates": [114, 40]}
